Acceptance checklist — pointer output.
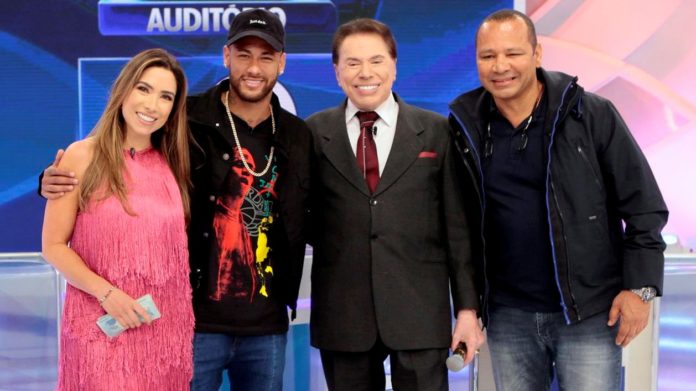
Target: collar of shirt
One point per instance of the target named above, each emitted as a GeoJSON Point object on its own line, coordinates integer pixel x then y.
{"type": "Point", "coordinates": [386, 126]}
{"type": "Point", "coordinates": [492, 113]}
{"type": "Point", "coordinates": [387, 112]}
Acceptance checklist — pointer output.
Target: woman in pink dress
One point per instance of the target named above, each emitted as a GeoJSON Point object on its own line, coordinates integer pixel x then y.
{"type": "Point", "coordinates": [122, 235]}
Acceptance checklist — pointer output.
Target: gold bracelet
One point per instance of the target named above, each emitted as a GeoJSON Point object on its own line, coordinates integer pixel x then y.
{"type": "Point", "coordinates": [106, 296]}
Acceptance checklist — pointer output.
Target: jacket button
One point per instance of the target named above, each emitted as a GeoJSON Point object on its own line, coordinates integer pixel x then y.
{"type": "Point", "coordinates": [211, 198]}
{"type": "Point", "coordinates": [217, 124]}
{"type": "Point", "coordinates": [205, 234]}
{"type": "Point", "coordinates": [374, 236]}
{"type": "Point", "coordinates": [225, 156]}
{"type": "Point", "coordinates": [373, 202]}
{"type": "Point", "coordinates": [466, 150]}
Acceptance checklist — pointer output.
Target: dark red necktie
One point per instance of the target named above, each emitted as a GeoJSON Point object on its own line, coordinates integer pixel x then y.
{"type": "Point", "coordinates": [366, 152]}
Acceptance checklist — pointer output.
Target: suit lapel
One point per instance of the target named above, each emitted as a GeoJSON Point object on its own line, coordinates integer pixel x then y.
{"type": "Point", "coordinates": [405, 148]}
{"type": "Point", "coordinates": [338, 150]}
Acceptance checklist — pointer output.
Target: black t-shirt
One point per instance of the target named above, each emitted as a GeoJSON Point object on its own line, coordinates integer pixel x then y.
{"type": "Point", "coordinates": [240, 296]}
{"type": "Point", "coordinates": [518, 250]}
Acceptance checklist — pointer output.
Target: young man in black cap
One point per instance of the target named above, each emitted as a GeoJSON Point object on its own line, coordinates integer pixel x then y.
{"type": "Point", "coordinates": [250, 174]}
{"type": "Point", "coordinates": [246, 233]}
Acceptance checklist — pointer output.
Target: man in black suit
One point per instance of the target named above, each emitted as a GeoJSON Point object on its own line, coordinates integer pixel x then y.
{"type": "Point", "coordinates": [391, 238]}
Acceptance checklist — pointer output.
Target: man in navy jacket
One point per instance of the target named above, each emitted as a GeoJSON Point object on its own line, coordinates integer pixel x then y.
{"type": "Point", "coordinates": [569, 211]}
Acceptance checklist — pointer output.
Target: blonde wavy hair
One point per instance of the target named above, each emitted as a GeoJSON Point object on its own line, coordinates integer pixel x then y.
{"type": "Point", "coordinates": [104, 175]}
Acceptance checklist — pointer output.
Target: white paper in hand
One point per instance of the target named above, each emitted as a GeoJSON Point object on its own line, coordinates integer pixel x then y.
{"type": "Point", "coordinates": [112, 328]}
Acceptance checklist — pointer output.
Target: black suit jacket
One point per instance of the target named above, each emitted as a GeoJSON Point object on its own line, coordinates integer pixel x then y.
{"type": "Point", "coordinates": [384, 263]}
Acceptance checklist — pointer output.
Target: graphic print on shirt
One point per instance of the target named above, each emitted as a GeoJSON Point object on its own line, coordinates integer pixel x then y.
{"type": "Point", "coordinates": [242, 219]}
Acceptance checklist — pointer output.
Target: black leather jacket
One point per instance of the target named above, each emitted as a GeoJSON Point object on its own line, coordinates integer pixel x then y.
{"type": "Point", "coordinates": [208, 168]}
{"type": "Point", "coordinates": [604, 207]}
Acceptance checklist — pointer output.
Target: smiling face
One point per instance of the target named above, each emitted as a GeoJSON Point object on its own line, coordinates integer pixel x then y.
{"type": "Point", "coordinates": [365, 70]}
{"type": "Point", "coordinates": [506, 60]}
{"type": "Point", "coordinates": [148, 105]}
{"type": "Point", "coordinates": [254, 68]}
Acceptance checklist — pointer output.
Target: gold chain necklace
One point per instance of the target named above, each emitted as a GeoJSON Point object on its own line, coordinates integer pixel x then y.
{"type": "Point", "coordinates": [239, 145]}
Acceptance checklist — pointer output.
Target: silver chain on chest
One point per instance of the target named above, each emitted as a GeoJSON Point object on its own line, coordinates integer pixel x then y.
{"type": "Point", "coordinates": [239, 145]}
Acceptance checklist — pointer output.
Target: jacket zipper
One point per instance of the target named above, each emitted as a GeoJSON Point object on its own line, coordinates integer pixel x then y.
{"type": "Point", "coordinates": [587, 160]}
{"type": "Point", "coordinates": [480, 191]}
{"type": "Point", "coordinates": [549, 185]}
{"type": "Point", "coordinates": [565, 240]}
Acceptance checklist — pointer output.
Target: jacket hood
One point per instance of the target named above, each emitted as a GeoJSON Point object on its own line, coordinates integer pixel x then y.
{"type": "Point", "coordinates": [471, 106]}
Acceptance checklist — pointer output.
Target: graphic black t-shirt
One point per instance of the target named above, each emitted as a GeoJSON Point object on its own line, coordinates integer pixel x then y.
{"type": "Point", "coordinates": [240, 298]}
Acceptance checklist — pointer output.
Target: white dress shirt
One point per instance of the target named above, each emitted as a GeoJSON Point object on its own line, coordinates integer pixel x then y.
{"type": "Point", "coordinates": [385, 127]}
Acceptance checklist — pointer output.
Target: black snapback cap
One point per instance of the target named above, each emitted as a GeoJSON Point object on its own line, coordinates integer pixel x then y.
{"type": "Point", "coordinates": [257, 23]}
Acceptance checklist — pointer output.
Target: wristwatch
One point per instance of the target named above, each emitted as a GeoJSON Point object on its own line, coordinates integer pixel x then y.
{"type": "Point", "coordinates": [645, 293]}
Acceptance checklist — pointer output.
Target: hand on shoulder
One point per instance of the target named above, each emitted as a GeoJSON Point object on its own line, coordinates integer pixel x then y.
{"type": "Point", "coordinates": [61, 177]}
{"type": "Point", "coordinates": [77, 156]}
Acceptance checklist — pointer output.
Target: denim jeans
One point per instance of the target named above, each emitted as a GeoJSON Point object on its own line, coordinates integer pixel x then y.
{"type": "Point", "coordinates": [527, 348]}
{"type": "Point", "coordinates": [253, 363]}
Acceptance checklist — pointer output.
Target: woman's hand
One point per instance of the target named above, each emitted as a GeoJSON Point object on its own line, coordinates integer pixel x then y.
{"type": "Point", "coordinates": [127, 312]}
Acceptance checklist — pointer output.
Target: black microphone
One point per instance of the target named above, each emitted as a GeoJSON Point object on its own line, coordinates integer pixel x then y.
{"type": "Point", "coordinates": [374, 130]}
{"type": "Point", "coordinates": [132, 153]}
{"type": "Point", "coordinates": [455, 362]}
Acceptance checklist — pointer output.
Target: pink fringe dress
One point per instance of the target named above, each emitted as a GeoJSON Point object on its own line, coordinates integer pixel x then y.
{"type": "Point", "coordinates": [141, 254]}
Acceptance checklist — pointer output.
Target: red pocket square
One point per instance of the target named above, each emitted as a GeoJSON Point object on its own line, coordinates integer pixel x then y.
{"type": "Point", "coordinates": [427, 155]}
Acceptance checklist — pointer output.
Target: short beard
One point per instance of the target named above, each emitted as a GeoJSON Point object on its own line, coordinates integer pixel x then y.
{"type": "Point", "coordinates": [268, 89]}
